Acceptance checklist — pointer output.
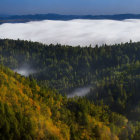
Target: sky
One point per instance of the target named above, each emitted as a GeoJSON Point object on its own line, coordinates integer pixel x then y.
{"type": "Point", "coordinates": [79, 7]}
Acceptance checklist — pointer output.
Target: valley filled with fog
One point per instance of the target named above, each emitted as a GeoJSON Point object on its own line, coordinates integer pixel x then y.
{"type": "Point", "coordinates": [74, 32]}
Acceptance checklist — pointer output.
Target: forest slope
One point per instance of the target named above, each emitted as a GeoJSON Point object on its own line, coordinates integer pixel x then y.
{"type": "Point", "coordinates": [30, 112]}
{"type": "Point", "coordinates": [65, 67]}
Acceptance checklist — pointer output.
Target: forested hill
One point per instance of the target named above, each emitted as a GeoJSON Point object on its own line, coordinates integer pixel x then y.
{"type": "Point", "coordinates": [29, 112]}
{"type": "Point", "coordinates": [64, 67]}
{"type": "Point", "coordinates": [34, 109]}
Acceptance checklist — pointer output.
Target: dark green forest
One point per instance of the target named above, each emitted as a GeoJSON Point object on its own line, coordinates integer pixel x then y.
{"type": "Point", "coordinates": [67, 67]}
{"type": "Point", "coordinates": [111, 110]}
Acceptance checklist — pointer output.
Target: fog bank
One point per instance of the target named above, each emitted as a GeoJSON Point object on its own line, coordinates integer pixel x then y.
{"type": "Point", "coordinates": [74, 32]}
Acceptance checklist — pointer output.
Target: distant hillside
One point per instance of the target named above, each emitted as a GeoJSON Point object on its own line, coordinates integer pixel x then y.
{"type": "Point", "coordinates": [65, 67]}
{"type": "Point", "coordinates": [38, 17]}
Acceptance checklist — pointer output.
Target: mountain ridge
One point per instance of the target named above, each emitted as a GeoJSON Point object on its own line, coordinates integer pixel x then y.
{"type": "Point", "coordinates": [53, 16]}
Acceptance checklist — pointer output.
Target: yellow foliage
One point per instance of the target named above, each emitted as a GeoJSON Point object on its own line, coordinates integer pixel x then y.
{"type": "Point", "coordinates": [19, 96]}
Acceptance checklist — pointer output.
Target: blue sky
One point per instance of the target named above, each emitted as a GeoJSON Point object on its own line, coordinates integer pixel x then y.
{"type": "Point", "coordinates": [93, 7]}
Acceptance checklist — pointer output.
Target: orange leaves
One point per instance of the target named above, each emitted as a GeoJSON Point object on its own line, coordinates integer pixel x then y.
{"type": "Point", "coordinates": [49, 112]}
{"type": "Point", "coordinates": [31, 101]}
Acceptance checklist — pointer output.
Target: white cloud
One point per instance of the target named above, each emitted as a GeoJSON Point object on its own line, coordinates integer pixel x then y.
{"type": "Point", "coordinates": [74, 32]}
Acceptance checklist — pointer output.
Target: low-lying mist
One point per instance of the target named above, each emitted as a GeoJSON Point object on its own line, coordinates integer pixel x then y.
{"type": "Point", "coordinates": [83, 91]}
{"type": "Point", "coordinates": [25, 70]}
{"type": "Point", "coordinates": [74, 32]}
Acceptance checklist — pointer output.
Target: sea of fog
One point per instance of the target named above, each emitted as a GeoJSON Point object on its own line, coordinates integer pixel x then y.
{"type": "Point", "coordinates": [74, 32]}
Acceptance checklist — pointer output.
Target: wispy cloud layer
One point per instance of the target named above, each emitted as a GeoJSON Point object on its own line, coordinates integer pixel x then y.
{"type": "Point", "coordinates": [74, 32]}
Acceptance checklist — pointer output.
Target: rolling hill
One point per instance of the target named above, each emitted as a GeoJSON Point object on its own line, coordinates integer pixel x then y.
{"type": "Point", "coordinates": [35, 106]}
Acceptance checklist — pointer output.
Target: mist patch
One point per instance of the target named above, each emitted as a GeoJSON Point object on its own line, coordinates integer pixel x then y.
{"type": "Point", "coordinates": [25, 70]}
{"type": "Point", "coordinates": [79, 92]}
